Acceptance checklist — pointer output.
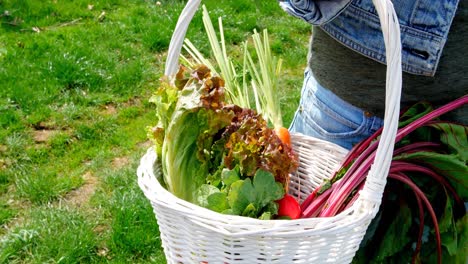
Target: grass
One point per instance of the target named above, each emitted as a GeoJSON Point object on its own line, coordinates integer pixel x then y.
{"type": "Point", "coordinates": [75, 79]}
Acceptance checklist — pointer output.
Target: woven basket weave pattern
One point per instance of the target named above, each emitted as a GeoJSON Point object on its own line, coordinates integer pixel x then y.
{"type": "Point", "coordinates": [192, 234]}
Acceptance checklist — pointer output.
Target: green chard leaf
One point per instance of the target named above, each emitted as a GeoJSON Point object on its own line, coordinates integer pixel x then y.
{"type": "Point", "coordinates": [451, 163]}
{"type": "Point", "coordinates": [457, 253]}
{"type": "Point", "coordinates": [455, 137]}
{"type": "Point", "coordinates": [396, 236]}
{"type": "Point", "coordinates": [462, 231]}
{"type": "Point", "coordinates": [447, 228]}
{"type": "Point", "coordinates": [415, 112]}
{"type": "Point", "coordinates": [447, 165]}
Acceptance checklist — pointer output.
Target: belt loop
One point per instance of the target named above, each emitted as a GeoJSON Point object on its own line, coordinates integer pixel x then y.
{"type": "Point", "coordinates": [377, 123]}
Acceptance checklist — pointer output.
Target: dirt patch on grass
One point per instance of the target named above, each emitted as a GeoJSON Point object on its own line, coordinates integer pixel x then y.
{"type": "Point", "coordinates": [19, 206]}
{"type": "Point", "coordinates": [4, 162]}
{"type": "Point", "coordinates": [132, 102]}
{"type": "Point", "coordinates": [80, 197]}
{"type": "Point", "coordinates": [42, 136]}
{"type": "Point", "coordinates": [109, 109]}
{"type": "Point", "coordinates": [145, 144]}
{"type": "Point", "coordinates": [120, 162]}
{"type": "Point", "coordinates": [3, 148]}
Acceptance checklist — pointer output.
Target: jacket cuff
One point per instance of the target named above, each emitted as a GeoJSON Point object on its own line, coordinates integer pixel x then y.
{"type": "Point", "coordinates": [316, 12]}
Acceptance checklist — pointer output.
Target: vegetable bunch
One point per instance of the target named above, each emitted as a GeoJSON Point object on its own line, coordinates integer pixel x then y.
{"type": "Point", "coordinates": [258, 80]}
{"type": "Point", "coordinates": [215, 154]}
{"type": "Point", "coordinates": [427, 182]}
{"type": "Point", "coordinates": [244, 164]}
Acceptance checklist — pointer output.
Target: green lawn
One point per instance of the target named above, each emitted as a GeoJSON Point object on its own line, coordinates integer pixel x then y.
{"type": "Point", "coordinates": [75, 80]}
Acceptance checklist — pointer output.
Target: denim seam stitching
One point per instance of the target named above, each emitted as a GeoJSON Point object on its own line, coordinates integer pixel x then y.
{"type": "Point", "coordinates": [376, 55]}
{"type": "Point", "coordinates": [358, 129]}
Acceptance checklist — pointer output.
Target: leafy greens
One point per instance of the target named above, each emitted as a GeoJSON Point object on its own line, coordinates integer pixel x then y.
{"type": "Point", "coordinates": [215, 154]}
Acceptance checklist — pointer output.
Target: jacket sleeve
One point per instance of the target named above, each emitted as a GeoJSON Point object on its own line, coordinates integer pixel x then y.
{"type": "Point", "coordinates": [315, 12]}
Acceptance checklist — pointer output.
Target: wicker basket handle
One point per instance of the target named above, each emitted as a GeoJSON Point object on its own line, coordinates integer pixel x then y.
{"type": "Point", "coordinates": [376, 179]}
{"type": "Point", "coordinates": [177, 40]}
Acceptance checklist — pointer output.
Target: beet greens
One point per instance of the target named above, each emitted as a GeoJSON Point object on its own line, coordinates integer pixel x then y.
{"type": "Point", "coordinates": [422, 217]}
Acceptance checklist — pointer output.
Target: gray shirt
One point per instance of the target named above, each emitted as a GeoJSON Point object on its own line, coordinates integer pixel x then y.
{"type": "Point", "coordinates": [361, 81]}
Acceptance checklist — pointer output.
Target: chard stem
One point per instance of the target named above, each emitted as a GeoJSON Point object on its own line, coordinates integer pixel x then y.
{"type": "Point", "coordinates": [402, 166]}
{"type": "Point", "coordinates": [370, 144]}
{"type": "Point", "coordinates": [421, 229]}
{"type": "Point", "coordinates": [353, 199]}
{"type": "Point", "coordinates": [365, 152]}
{"type": "Point", "coordinates": [360, 148]}
{"type": "Point", "coordinates": [417, 147]}
{"type": "Point", "coordinates": [421, 221]}
{"type": "Point", "coordinates": [314, 207]}
{"type": "Point", "coordinates": [428, 205]}
{"type": "Point", "coordinates": [347, 184]}
{"type": "Point", "coordinates": [431, 115]}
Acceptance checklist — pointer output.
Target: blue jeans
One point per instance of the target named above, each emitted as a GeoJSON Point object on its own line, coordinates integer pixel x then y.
{"type": "Point", "coordinates": [322, 114]}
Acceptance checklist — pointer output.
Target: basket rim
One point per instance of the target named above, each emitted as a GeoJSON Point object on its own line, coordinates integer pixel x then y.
{"type": "Point", "coordinates": [366, 206]}
{"type": "Point", "coordinates": [160, 196]}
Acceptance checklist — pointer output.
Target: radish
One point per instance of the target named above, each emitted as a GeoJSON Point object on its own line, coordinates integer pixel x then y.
{"type": "Point", "coordinates": [289, 207]}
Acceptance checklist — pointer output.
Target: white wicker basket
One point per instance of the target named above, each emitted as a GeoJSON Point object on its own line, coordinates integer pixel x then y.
{"type": "Point", "coordinates": [192, 234]}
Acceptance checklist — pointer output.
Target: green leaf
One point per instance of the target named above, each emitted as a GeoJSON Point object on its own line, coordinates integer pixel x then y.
{"type": "Point", "coordinates": [165, 99]}
{"type": "Point", "coordinates": [460, 254]}
{"type": "Point", "coordinates": [240, 196]}
{"type": "Point", "coordinates": [265, 216]}
{"type": "Point", "coordinates": [447, 165]}
{"type": "Point", "coordinates": [230, 176]}
{"type": "Point", "coordinates": [210, 197]}
{"type": "Point", "coordinates": [218, 202]}
{"type": "Point", "coordinates": [327, 184]}
{"type": "Point", "coordinates": [396, 236]}
{"type": "Point", "coordinates": [447, 228]}
{"type": "Point", "coordinates": [462, 230]}
{"type": "Point", "coordinates": [414, 112]}
{"type": "Point", "coordinates": [183, 171]}
{"type": "Point", "coordinates": [253, 199]}
{"type": "Point", "coordinates": [270, 210]}
{"type": "Point", "coordinates": [455, 137]}
{"type": "Point", "coordinates": [266, 188]}
{"type": "Point", "coordinates": [250, 211]}
{"type": "Point", "coordinates": [204, 192]}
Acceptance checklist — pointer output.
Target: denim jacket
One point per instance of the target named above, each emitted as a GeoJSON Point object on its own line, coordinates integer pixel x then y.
{"type": "Point", "coordinates": [424, 27]}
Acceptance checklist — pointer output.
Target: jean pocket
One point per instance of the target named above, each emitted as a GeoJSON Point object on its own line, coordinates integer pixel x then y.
{"type": "Point", "coordinates": [324, 115]}
{"type": "Point", "coordinates": [328, 123]}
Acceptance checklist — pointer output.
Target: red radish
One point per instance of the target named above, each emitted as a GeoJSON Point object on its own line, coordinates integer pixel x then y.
{"type": "Point", "coordinates": [289, 207]}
